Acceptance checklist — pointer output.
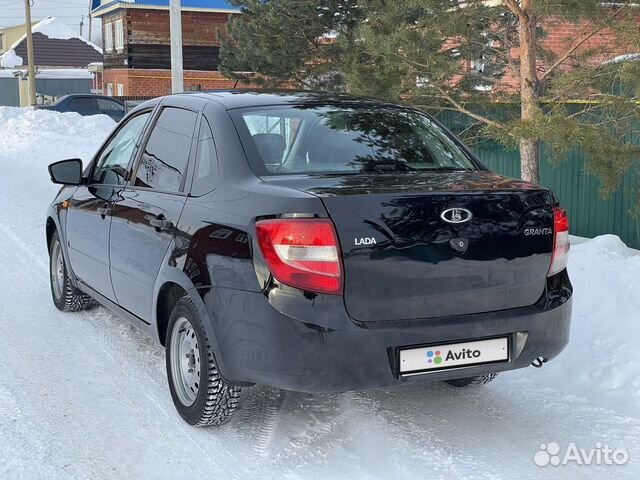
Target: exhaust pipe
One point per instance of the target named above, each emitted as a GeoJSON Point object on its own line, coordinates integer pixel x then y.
{"type": "Point", "coordinates": [539, 362]}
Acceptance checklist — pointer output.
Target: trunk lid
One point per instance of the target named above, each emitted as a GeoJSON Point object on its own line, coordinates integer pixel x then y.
{"type": "Point", "coordinates": [402, 260]}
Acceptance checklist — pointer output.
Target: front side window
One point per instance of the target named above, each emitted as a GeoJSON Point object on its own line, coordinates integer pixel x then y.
{"type": "Point", "coordinates": [310, 139]}
{"type": "Point", "coordinates": [109, 105]}
{"type": "Point", "coordinates": [82, 104]}
{"type": "Point", "coordinates": [166, 154]}
{"type": "Point", "coordinates": [112, 165]}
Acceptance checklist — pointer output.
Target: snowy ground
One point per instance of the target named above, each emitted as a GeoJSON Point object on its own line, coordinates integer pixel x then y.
{"type": "Point", "coordinates": [84, 395]}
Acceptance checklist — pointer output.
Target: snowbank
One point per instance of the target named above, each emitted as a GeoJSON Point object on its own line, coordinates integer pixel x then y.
{"type": "Point", "coordinates": [41, 137]}
{"type": "Point", "coordinates": [603, 359]}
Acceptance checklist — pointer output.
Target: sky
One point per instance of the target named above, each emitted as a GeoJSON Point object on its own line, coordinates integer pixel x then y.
{"type": "Point", "coordinates": [67, 11]}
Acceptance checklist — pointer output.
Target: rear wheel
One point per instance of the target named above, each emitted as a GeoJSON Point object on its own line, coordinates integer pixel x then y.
{"type": "Point", "coordinates": [471, 381]}
{"type": "Point", "coordinates": [201, 396]}
{"type": "Point", "coordinates": [65, 296]}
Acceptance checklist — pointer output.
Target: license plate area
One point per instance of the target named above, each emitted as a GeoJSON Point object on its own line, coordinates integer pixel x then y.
{"type": "Point", "coordinates": [452, 355]}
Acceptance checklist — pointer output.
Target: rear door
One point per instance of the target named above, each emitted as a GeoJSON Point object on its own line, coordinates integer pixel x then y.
{"type": "Point", "coordinates": [89, 216]}
{"type": "Point", "coordinates": [148, 209]}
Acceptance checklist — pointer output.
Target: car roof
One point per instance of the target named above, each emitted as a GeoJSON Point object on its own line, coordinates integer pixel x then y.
{"type": "Point", "coordinates": [231, 99]}
{"type": "Point", "coordinates": [71, 96]}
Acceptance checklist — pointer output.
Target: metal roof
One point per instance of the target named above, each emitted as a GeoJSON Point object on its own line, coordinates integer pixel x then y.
{"type": "Point", "coordinates": [55, 52]}
{"type": "Point", "coordinates": [100, 7]}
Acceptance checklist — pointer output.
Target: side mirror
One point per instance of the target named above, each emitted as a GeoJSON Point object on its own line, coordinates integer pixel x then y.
{"type": "Point", "coordinates": [66, 172]}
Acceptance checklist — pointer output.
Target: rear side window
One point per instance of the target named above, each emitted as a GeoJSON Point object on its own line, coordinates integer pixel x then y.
{"type": "Point", "coordinates": [205, 177]}
{"type": "Point", "coordinates": [324, 139]}
{"type": "Point", "coordinates": [166, 154]}
{"type": "Point", "coordinates": [109, 105]}
{"type": "Point", "coordinates": [82, 104]}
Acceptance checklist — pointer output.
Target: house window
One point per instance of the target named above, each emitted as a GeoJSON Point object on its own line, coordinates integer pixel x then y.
{"type": "Point", "coordinates": [108, 37]}
{"type": "Point", "coordinates": [110, 89]}
{"type": "Point", "coordinates": [120, 90]}
{"type": "Point", "coordinates": [119, 36]}
{"type": "Point", "coordinates": [478, 65]}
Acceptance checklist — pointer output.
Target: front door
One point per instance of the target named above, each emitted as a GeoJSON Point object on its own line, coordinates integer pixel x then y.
{"type": "Point", "coordinates": [91, 207]}
{"type": "Point", "coordinates": [148, 210]}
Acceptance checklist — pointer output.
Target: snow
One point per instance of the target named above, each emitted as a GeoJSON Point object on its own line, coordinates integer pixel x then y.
{"type": "Point", "coordinates": [9, 59]}
{"type": "Point", "coordinates": [54, 28]}
{"type": "Point", "coordinates": [58, 73]}
{"type": "Point", "coordinates": [85, 396]}
{"type": "Point", "coordinates": [65, 73]}
{"type": "Point", "coordinates": [628, 57]}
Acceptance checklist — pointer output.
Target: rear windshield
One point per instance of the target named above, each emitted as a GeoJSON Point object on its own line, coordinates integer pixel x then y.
{"type": "Point", "coordinates": [334, 140]}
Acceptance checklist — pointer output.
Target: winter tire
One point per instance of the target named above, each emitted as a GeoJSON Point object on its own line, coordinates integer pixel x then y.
{"type": "Point", "coordinates": [66, 297]}
{"type": "Point", "coordinates": [471, 381]}
{"type": "Point", "coordinates": [201, 396]}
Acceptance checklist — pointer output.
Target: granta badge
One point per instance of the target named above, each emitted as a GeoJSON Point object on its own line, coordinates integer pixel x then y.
{"type": "Point", "coordinates": [537, 231]}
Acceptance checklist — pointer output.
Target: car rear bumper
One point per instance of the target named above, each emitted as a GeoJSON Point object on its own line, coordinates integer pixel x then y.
{"type": "Point", "coordinates": [258, 343]}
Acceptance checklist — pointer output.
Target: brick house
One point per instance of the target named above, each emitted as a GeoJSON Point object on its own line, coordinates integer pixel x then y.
{"type": "Point", "coordinates": [560, 35]}
{"type": "Point", "coordinates": [136, 44]}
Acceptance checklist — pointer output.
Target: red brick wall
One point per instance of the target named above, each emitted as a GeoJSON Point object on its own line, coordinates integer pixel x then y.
{"type": "Point", "coordinates": [561, 35]}
{"type": "Point", "coordinates": [158, 82]}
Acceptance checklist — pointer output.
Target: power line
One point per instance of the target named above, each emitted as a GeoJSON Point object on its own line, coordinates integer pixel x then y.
{"type": "Point", "coordinates": [55, 16]}
{"type": "Point", "coordinates": [36, 8]}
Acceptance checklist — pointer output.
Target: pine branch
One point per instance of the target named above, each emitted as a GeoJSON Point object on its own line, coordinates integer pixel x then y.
{"type": "Point", "coordinates": [564, 57]}
{"type": "Point", "coordinates": [462, 109]}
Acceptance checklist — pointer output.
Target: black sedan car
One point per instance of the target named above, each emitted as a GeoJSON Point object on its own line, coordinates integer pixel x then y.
{"type": "Point", "coordinates": [87, 105]}
{"type": "Point", "coordinates": [309, 242]}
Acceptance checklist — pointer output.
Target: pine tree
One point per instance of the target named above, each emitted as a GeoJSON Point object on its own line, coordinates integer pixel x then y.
{"type": "Point", "coordinates": [288, 42]}
{"type": "Point", "coordinates": [455, 55]}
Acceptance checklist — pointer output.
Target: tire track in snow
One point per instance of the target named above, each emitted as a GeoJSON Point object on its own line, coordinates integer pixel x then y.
{"type": "Point", "coordinates": [106, 331]}
{"type": "Point", "coordinates": [257, 418]}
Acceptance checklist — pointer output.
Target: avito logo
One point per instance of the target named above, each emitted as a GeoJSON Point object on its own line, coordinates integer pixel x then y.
{"type": "Point", "coordinates": [465, 354]}
{"type": "Point", "coordinates": [434, 357]}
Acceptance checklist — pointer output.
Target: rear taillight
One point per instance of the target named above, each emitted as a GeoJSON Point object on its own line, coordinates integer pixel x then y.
{"type": "Point", "coordinates": [302, 253]}
{"type": "Point", "coordinates": [560, 254]}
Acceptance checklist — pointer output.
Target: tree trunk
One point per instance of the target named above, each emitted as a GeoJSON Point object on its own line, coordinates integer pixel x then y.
{"type": "Point", "coordinates": [529, 160]}
{"type": "Point", "coordinates": [529, 153]}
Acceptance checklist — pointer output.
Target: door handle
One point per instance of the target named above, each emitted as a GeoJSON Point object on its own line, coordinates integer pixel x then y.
{"type": "Point", "coordinates": [105, 211]}
{"type": "Point", "coordinates": [160, 223]}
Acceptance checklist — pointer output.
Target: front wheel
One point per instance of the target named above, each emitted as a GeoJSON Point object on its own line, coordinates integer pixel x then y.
{"type": "Point", "coordinates": [66, 297]}
{"type": "Point", "coordinates": [201, 396]}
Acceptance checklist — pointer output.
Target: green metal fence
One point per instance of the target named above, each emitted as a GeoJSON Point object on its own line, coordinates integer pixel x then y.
{"type": "Point", "coordinates": [589, 212]}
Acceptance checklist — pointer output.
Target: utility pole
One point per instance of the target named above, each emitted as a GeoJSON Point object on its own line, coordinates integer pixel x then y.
{"type": "Point", "coordinates": [90, 4]}
{"type": "Point", "coordinates": [81, 23]}
{"type": "Point", "coordinates": [31, 67]}
{"type": "Point", "coordinates": [175, 30]}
